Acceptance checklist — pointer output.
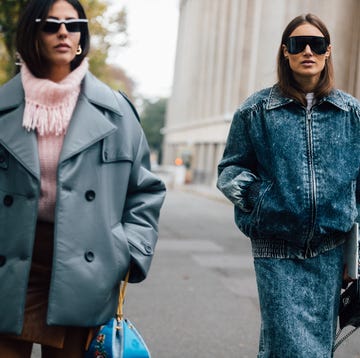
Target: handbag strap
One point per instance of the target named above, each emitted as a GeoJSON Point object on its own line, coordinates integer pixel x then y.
{"type": "Point", "coordinates": [338, 341]}
{"type": "Point", "coordinates": [119, 312]}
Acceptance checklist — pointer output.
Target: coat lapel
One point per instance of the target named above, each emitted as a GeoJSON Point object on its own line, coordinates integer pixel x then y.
{"type": "Point", "coordinates": [88, 124]}
{"type": "Point", "coordinates": [20, 143]}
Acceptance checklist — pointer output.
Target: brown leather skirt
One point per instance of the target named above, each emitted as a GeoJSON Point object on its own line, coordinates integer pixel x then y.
{"type": "Point", "coordinates": [35, 328]}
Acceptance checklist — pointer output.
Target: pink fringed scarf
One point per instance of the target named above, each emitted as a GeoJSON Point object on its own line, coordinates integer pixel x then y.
{"type": "Point", "coordinates": [49, 105]}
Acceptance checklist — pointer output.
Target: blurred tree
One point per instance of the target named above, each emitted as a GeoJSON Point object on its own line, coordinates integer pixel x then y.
{"type": "Point", "coordinates": [9, 15]}
{"type": "Point", "coordinates": [117, 78]}
{"type": "Point", "coordinates": [107, 28]}
{"type": "Point", "coordinates": [3, 62]}
{"type": "Point", "coordinates": [152, 120]}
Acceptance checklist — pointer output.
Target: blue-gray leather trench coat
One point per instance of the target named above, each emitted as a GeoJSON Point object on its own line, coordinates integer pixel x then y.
{"type": "Point", "coordinates": [107, 209]}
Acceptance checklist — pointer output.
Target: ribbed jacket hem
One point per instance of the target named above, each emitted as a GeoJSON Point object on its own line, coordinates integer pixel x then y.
{"type": "Point", "coordinates": [282, 249]}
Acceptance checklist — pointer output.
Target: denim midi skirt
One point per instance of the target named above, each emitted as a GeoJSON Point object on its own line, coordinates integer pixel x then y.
{"type": "Point", "coordinates": [299, 302]}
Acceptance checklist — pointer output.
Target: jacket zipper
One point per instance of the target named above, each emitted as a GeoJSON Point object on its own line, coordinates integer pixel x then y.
{"type": "Point", "coordinates": [310, 152]}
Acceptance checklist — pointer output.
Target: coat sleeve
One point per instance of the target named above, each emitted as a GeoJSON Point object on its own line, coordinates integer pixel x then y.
{"type": "Point", "coordinates": [145, 196]}
{"type": "Point", "coordinates": [237, 178]}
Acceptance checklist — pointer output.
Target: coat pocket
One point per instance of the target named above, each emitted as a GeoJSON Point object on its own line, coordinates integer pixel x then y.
{"type": "Point", "coordinates": [248, 222]}
{"type": "Point", "coordinates": [256, 215]}
{"type": "Point", "coordinates": [115, 151]}
{"type": "Point", "coordinates": [265, 188]}
{"type": "Point", "coordinates": [120, 240]}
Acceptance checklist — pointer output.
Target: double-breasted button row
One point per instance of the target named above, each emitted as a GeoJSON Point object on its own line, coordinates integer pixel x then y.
{"type": "Point", "coordinates": [8, 200]}
{"type": "Point", "coordinates": [89, 194]}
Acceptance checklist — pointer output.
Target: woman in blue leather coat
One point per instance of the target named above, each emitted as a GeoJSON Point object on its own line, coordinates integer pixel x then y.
{"type": "Point", "coordinates": [79, 205]}
{"type": "Point", "coordinates": [291, 169]}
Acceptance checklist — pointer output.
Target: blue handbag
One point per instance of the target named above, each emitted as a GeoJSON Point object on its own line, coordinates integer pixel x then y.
{"type": "Point", "coordinates": [118, 338]}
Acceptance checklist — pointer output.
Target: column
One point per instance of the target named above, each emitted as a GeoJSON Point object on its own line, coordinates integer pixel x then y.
{"type": "Point", "coordinates": [231, 59]}
{"type": "Point", "coordinates": [221, 54]}
{"type": "Point", "coordinates": [241, 43]}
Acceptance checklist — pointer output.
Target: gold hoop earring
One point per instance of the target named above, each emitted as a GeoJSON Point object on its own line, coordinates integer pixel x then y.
{"type": "Point", "coordinates": [79, 50]}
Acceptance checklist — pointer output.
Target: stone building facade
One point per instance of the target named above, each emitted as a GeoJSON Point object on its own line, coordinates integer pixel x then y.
{"type": "Point", "coordinates": [226, 50]}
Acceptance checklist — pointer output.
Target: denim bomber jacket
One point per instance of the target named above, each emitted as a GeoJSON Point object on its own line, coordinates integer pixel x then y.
{"type": "Point", "coordinates": [293, 173]}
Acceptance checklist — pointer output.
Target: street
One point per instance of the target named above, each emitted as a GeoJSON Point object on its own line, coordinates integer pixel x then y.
{"type": "Point", "coordinates": [200, 298]}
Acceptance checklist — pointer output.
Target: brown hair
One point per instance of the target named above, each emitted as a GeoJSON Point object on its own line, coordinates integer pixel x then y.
{"type": "Point", "coordinates": [286, 80]}
{"type": "Point", "coordinates": [28, 33]}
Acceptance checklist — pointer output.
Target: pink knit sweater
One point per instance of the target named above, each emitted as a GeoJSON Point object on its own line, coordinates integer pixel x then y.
{"type": "Point", "coordinates": [48, 110]}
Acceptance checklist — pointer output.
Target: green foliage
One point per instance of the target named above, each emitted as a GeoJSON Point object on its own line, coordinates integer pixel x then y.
{"type": "Point", "coordinates": [4, 61]}
{"type": "Point", "coordinates": [152, 120]}
{"type": "Point", "coordinates": [9, 15]}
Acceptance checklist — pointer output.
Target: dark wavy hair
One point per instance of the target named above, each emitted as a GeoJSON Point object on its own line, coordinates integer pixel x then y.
{"type": "Point", "coordinates": [286, 81]}
{"type": "Point", "coordinates": [28, 34]}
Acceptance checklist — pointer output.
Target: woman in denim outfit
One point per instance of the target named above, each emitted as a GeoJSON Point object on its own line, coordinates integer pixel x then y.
{"type": "Point", "coordinates": [291, 168]}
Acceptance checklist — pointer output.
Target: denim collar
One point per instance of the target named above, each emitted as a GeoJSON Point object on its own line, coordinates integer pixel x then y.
{"type": "Point", "coordinates": [277, 99]}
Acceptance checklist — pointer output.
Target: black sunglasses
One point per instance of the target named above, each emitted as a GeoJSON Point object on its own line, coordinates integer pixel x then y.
{"type": "Point", "coordinates": [296, 44]}
{"type": "Point", "coordinates": [52, 26]}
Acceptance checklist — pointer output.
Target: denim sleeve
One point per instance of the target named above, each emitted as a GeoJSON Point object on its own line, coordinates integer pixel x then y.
{"type": "Point", "coordinates": [237, 168]}
{"type": "Point", "coordinates": [358, 198]}
{"type": "Point", "coordinates": [357, 113]}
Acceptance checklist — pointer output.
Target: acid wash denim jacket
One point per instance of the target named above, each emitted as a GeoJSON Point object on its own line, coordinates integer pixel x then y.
{"type": "Point", "coordinates": [293, 173]}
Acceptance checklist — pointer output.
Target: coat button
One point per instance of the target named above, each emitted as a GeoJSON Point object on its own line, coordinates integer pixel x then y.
{"type": "Point", "coordinates": [2, 260]}
{"type": "Point", "coordinates": [89, 256]}
{"type": "Point", "coordinates": [90, 195]}
{"type": "Point", "coordinates": [148, 249]}
{"type": "Point", "coordinates": [8, 200]}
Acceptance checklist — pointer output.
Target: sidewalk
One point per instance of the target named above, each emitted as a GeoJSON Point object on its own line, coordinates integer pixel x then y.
{"type": "Point", "coordinates": [174, 179]}
{"type": "Point", "coordinates": [210, 192]}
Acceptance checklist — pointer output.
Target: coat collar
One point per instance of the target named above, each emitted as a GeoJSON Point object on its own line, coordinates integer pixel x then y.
{"type": "Point", "coordinates": [277, 99]}
{"type": "Point", "coordinates": [13, 136]}
{"type": "Point", "coordinates": [88, 125]}
{"type": "Point", "coordinates": [11, 94]}
{"type": "Point", "coordinates": [100, 94]}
